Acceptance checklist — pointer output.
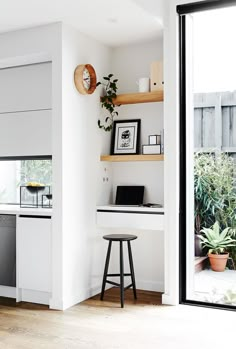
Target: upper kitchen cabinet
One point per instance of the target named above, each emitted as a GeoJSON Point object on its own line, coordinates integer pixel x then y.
{"type": "Point", "coordinates": [26, 133]}
{"type": "Point", "coordinates": [26, 110]}
{"type": "Point", "coordinates": [26, 88]}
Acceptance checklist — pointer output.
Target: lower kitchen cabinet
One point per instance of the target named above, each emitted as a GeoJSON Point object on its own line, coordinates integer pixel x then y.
{"type": "Point", "coordinates": [34, 254]}
{"type": "Point", "coordinates": [7, 250]}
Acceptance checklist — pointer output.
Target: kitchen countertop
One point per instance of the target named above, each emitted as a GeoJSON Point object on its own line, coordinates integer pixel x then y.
{"type": "Point", "coordinates": [17, 210]}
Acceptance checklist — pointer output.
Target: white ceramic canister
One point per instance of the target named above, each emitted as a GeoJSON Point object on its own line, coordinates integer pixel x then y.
{"type": "Point", "coordinates": [144, 85]}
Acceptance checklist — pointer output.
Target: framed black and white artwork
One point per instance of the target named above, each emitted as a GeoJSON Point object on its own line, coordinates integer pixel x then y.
{"type": "Point", "coordinates": [125, 137]}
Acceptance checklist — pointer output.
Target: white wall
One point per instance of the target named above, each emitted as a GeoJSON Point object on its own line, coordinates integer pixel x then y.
{"type": "Point", "coordinates": [129, 63]}
{"type": "Point", "coordinates": [35, 45]}
{"type": "Point", "coordinates": [171, 125]}
{"type": "Point", "coordinates": [82, 144]}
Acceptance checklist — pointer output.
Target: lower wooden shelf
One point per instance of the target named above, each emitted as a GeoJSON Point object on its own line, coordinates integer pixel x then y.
{"type": "Point", "coordinates": [126, 158]}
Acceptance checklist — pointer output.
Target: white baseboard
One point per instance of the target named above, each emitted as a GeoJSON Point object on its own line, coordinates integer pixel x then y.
{"type": "Point", "coordinates": [44, 297]}
{"type": "Point", "coordinates": [150, 286]}
{"type": "Point", "coordinates": [92, 291]}
{"type": "Point", "coordinates": [56, 304]}
{"type": "Point", "coordinates": [33, 296]}
{"type": "Point", "coordinates": [7, 291]}
{"type": "Point", "coordinates": [75, 299]}
{"type": "Point", "coordinates": [169, 300]}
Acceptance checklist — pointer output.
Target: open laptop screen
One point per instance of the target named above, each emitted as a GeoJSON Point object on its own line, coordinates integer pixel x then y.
{"type": "Point", "coordinates": [129, 195]}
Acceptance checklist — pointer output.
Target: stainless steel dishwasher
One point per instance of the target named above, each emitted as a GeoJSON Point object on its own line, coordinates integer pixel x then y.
{"type": "Point", "coordinates": [8, 250]}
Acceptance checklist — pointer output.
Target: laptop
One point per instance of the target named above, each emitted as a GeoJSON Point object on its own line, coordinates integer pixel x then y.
{"type": "Point", "coordinates": [129, 195]}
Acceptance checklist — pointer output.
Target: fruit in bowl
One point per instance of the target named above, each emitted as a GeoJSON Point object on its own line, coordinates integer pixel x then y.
{"type": "Point", "coordinates": [34, 187]}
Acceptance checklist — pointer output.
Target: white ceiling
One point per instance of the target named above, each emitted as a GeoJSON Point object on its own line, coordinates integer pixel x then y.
{"type": "Point", "coordinates": [113, 22]}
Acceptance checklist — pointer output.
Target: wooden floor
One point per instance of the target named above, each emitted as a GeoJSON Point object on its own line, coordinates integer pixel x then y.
{"type": "Point", "coordinates": [112, 299]}
{"type": "Point", "coordinates": [141, 324]}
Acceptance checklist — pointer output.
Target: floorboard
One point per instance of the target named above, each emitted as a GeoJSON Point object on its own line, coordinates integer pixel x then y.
{"type": "Point", "coordinates": [142, 324]}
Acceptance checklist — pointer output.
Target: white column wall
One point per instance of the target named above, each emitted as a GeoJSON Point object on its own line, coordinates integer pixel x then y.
{"type": "Point", "coordinates": [171, 125]}
{"type": "Point", "coordinates": [82, 144]}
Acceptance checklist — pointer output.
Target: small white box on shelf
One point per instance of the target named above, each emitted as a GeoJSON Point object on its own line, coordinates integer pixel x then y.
{"type": "Point", "coordinates": [152, 149]}
{"type": "Point", "coordinates": [154, 139]}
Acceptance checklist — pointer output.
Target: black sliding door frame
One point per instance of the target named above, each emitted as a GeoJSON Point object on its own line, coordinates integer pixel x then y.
{"type": "Point", "coordinates": [184, 10]}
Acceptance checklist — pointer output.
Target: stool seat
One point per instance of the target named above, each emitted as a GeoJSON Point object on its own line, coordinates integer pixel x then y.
{"type": "Point", "coordinates": [120, 237]}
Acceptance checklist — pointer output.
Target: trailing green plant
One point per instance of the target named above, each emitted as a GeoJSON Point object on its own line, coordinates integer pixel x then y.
{"type": "Point", "coordinates": [215, 241]}
{"type": "Point", "coordinates": [214, 189]}
{"type": "Point", "coordinates": [110, 86]}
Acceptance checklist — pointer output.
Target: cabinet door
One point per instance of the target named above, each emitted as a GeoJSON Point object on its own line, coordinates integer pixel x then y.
{"type": "Point", "coordinates": [30, 133]}
{"type": "Point", "coordinates": [8, 250]}
{"type": "Point", "coordinates": [34, 253]}
{"type": "Point", "coordinates": [25, 88]}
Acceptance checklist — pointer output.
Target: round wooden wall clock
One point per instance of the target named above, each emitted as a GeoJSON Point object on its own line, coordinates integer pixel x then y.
{"type": "Point", "coordinates": [85, 78]}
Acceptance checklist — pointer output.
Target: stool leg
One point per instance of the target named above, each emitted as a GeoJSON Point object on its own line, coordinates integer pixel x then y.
{"type": "Point", "coordinates": [106, 270]}
{"type": "Point", "coordinates": [121, 275]}
{"type": "Point", "coordinates": [132, 269]}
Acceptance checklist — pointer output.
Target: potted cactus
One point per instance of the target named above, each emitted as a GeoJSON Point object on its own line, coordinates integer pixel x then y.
{"type": "Point", "coordinates": [217, 243]}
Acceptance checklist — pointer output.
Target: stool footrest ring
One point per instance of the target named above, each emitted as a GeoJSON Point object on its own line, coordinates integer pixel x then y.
{"type": "Point", "coordinates": [126, 274]}
{"type": "Point", "coordinates": [113, 283]}
{"type": "Point", "coordinates": [118, 285]}
{"type": "Point", "coordinates": [126, 288]}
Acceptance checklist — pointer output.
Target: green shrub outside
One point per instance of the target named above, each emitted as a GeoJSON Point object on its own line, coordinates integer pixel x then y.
{"type": "Point", "coordinates": [215, 192]}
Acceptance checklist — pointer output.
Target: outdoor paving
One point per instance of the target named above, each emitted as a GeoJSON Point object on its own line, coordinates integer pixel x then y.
{"type": "Point", "coordinates": [216, 287]}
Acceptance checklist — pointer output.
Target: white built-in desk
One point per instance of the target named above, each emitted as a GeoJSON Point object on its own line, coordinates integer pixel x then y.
{"type": "Point", "coordinates": [145, 218]}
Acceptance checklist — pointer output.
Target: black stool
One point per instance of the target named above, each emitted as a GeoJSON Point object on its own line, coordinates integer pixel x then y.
{"type": "Point", "coordinates": [120, 238]}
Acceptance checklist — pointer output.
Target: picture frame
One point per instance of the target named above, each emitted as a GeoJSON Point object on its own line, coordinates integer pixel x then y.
{"type": "Point", "coordinates": [125, 137]}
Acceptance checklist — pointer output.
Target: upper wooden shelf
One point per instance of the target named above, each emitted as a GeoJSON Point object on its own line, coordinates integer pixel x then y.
{"type": "Point", "coordinates": [139, 97]}
{"type": "Point", "coordinates": [125, 158]}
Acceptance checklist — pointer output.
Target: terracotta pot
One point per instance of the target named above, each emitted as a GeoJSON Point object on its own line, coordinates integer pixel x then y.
{"type": "Point", "coordinates": [218, 261]}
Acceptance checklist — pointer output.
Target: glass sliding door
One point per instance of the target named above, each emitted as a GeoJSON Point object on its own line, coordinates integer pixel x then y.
{"type": "Point", "coordinates": [208, 153]}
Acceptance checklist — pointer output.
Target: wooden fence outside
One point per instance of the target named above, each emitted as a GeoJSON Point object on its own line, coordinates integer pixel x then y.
{"type": "Point", "coordinates": [215, 122]}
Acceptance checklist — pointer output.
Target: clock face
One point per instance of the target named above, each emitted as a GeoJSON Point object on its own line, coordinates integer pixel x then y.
{"type": "Point", "coordinates": [86, 79]}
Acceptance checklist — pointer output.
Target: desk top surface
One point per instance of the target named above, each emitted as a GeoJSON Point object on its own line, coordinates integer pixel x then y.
{"type": "Point", "coordinates": [141, 209]}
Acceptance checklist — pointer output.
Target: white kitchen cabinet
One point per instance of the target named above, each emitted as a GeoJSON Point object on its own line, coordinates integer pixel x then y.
{"type": "Point", "coordinates": [26, 88]}
{"type": "Point", "coordinates": [34, 253]}
{"type": "Point", "coordinates": [26, 133]}
{"type": "Point", "coordinates": [26, 110]}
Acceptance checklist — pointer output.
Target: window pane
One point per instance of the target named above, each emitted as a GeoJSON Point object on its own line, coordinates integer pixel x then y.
{"type": "Point", "coordinates": [13, 174]}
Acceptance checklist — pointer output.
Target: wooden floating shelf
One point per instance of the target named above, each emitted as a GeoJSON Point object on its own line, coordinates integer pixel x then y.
{"type": "Point", "coordinates": [139, 97]}
{"type": "Point", "coordinates": [126, 158]}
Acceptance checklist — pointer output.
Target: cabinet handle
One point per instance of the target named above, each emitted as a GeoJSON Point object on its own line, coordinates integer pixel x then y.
{"type": "Point", "coordinates": [29, 216]}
